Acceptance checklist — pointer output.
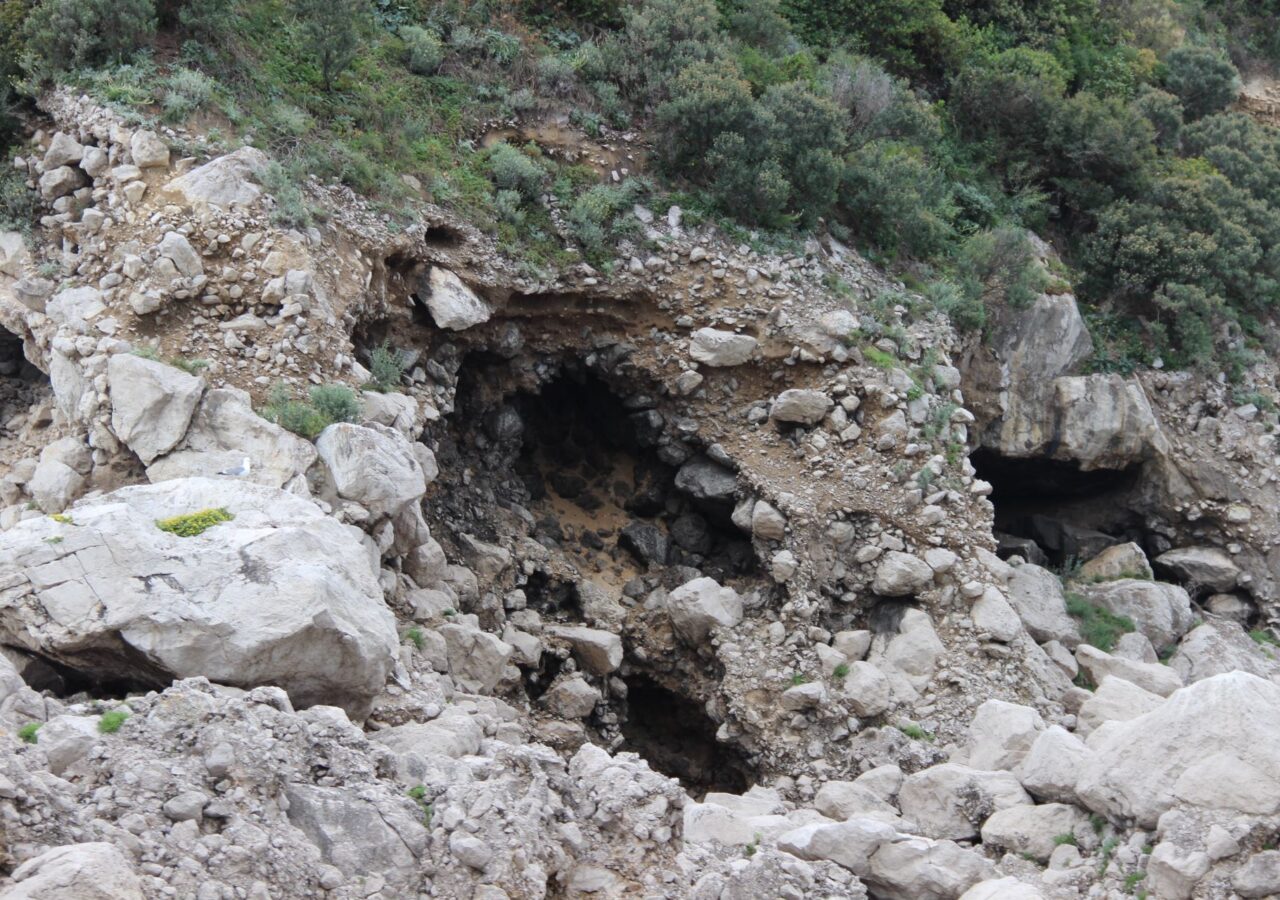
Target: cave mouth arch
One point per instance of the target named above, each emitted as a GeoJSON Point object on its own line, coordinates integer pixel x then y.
{"type": "Point", "coordinates": [1056, 514]}
{"type": "Point", "coordinates": [677, 738]}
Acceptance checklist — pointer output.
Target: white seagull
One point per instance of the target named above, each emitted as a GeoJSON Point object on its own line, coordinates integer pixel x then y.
{"type": "Point", "coordinates": [238, 471]}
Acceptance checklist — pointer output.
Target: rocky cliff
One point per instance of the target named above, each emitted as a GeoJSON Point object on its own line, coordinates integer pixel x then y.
{"type": "Point", "coordinates": [713, 574]}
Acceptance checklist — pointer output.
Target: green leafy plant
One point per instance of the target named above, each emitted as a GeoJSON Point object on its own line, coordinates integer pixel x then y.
{"type": "Point", "coordinates": [915, 732]}
{"type": "Point", "coordinates": [415, 636]}
{"type": "Point", "coordinates": [1098, 626]}
{"type": "Point", "coordinates": [28, 733]}
{"type": "Point", "coordinates": [110, 722]}
{"type": "Point", "coordinates": [336, 402]}
{"type": "Point", "coordinates": [195, 523]}
{"type": "Point", "coordinates": [386, 366]}
{"type": "Point", "coordinates": [841, 670]}
{"type": "Point", "coordinates": [1067, 838]}
{"type": "Point", "coordinates": [419, 794]}
{"type": "Point", "coordinates": [332, 30]}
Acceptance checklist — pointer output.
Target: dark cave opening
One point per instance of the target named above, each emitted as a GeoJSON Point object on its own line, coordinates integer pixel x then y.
{"type": "Point", "coordinates": [595, 468]}
{"type": "Point", "coordinates": [677, 738]}
{"type": "Point", "coordinates": [103, 682]}
{"type": "Point", "coordinates": [1054, 513]}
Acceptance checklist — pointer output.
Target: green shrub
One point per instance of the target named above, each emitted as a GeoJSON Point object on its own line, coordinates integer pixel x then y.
{"type": "Point", "coordinates": [1098, 627]}
{"type": "Point", "coordinates": [840, 671]}
{"type": "Point", "coordinates": [386, 366]}
{"type": "Point", "coordinates": [293, 414]}
{"type": "Point", "coordinates": [415, 636]}
{"type": "Point", "coordinates": [896, 200]}
{"type": "Point", "coordinates": [110, 722]}
{"type": "Point", "coordinates": [186, 91]}
{"type": "Point", "coordinates": [195, 523]}
{"type": "Point", "coordinates": [28, 733]}
{"type": "Point", "coordinates": [915, 732]}
{"type": "Point", "coordinates": [708, 99]}
{"type": "Point", "coordinates": [336, 402]}
{"type": "Point", "coordinates": [1203, 79]}
{"type": "Point", "coordinates": [661, 39]}
{"type": "Point", "coordinates": [515, 171]}
{"type": "Point", "coordinates": [206, 20]}
{"type": "Point", "coordinates": [425, 49]}
{"type": "Point", "coordinates": [69, 34]}
{"type": "Point", "coordinates": [332, 31]}
{"type": "Point", "coordinates": [595, 214]}
{"type": "Point", "coordinates": [291, 209]}
{"type": "Point", "coordinates": [18, 203]}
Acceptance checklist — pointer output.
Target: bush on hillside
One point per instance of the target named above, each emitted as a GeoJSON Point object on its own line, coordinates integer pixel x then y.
{"type": "Point", "coordinates": [332, 31]}
{"type": "Point", "coordinates": [513, 170]}
{"type": "Point", "coordinates": [425, 49]}
{"type": "Point", "coordinates": [1204, 80]}
{"type": "Point", "coordinates": [60, 35]}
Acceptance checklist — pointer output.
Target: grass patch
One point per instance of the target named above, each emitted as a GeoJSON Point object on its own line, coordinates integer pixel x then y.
{"type": "Point", "coordinates": [874, 356]}
{"type": "Point", "coordinates": [1098, 627]}
{"type": "Point", "coordinates": [916, 732]}
{"type": "Point", "coordinates": [110, 722]}
{"type": "Point", "coordinates": [194, 523]}
{"type": "Point", "coordinates": [1262, 636]}
{"type": "Point", "coordinates": [841, 670]}
{"type": "Point", "coordinates": [29, 733]}
{"type": "Point", "coordinates": [799, 679]}
{"type": "Point", "coordinates": [1066, 838]}
{"type": "Point", "coordinates": [415, 636]}
{"type": "Point", "coordinates": [1132, 880]}
{"type": "Point", "coordinates": [419, 794]}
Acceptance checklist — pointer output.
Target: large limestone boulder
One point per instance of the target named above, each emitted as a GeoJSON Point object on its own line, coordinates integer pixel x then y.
{"type": "Point", "coordinates": [1036, 595]}
{"type": "Point", "coordinates": [901, 574]}
{"type": "Point", "coordinates": [799, 406]}
{"type": "Point", "coordinates": [719, 349]}
{"type": "Point", "coordinates": [920, 869]}
{"type": "Point", "coordinates": [94, 871]}
{"type": "Point", "coordinates": [951, 801]}
{"type": "Point", "coordinates": [477, 660]}
{"type": "Point", "coordinates": [1098, 666]}
{"type": "Point", "coordinates": [1116, 700]}
{"type": "Point", "coordinates": [1201, 568]}
{"type": "Point", "coordinates": [372, 465]}
{"type": "Point", "coordinates": [148, 150]}
{"type": "Point", "coordinates": [698, 606]}
{"type": "Point", "coordinates": [1052, 765]}
{"type": "Point", "coordinates": [223, 183]}
{"type": "Point", "coordinates": [1034, 830]}
{"type": "Point", "coordinates": [1213, 744]}
{"type": "Point", "coordinates": [1220, 646]}
{"type": "Point", "coordinates": [151, 404]}
{"type": "Point", "coordinates": [1001, 734]}
{"type": "Point", "coordinates": [280, 595]}
{"type": "Point", "coordinates": [850, 843]}
{"type": "Point", "coordinates": [452, 304]}
{"type": "Point", "coordinates": [1160, 611]}
{"type": "Point", "coordinates": [1120, 561]}
{"type": "Point", "coordinates": [223, 432]}
{"type": "Point", "coordinates": [906, 649]}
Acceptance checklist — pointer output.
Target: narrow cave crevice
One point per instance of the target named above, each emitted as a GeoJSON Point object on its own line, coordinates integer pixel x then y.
{"type": "Point", "coordinates": [107, 679]}
{"type": "Point", "coordinates": [1054, 513]}
{"type": "Point", "coordinates": [676, 737]}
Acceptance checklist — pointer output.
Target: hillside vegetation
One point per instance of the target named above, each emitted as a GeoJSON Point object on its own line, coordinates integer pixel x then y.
{"type": "Point", "coordinates": [931, 134]}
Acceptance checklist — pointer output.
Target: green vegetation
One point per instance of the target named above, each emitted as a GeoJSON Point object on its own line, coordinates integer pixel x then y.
{"type": "Point", "coordinates": [28, 733]}
{"type": "Point", "coordinates": [415, 636]}
{"type": "Point", "coordinates": [419, 794]}
{"type": "Point", "coordinates": [1262, 636]}
{"type": "Point", "coordinates": [915, 732]}
{"type": "Point", "coordinates": [194, 523]}
{"type": "Point", "coordinates": [840, 671]}
{"type": "Point", "coordinates": [325, 404]}
{"type": "Point", "coordinates": [1132, 880]}
{"type": "Point", "coordinates": [799, 679]}
{"type": "Point", "coordinates": [1105, 853]}
{"type": "Point", "coordinates": [931, 133]}
{"type": "Point", "coordinates": [386, 368]}
{"type": "Point", "coordinates": [1098, 627]}
{"type": "Point", "coordinates": [62, 519]}
{"type": "Point", "coordinates": [1068, 838]}
{"type": "Point", "coordinates": [110, 722]}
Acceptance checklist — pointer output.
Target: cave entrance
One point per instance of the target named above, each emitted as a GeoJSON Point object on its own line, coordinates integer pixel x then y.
{"type": "Point", "coordinates": [593, 465]}
{"type": "Point", "coordinates": [1054, 513]}
{"type": "Point", "coordinates": [677, 738]}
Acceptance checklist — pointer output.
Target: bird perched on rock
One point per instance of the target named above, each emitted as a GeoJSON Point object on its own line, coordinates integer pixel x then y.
{"type": "Point", "coordinates": [238, 471]}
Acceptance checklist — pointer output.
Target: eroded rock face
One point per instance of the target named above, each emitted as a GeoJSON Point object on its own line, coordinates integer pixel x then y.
{"type": "Point", "coordinates": [280, 595]}
{"type": "Point", "coordinates": [453, 305]}
{"type": "Point", "coordinates": [1210, 745]}
{"type": "Point", "coordinates": [223, 183]}
{"type": "Point", "coordinates": [151, 404]}
{"type": "Point", "coordinates": [372, 465]}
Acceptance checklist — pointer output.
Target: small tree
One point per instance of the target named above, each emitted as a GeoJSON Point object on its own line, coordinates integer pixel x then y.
{"type": "Point", "coordinates": [332, 28]}
{"type": "Point", "coordinates": [1205, 81]}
